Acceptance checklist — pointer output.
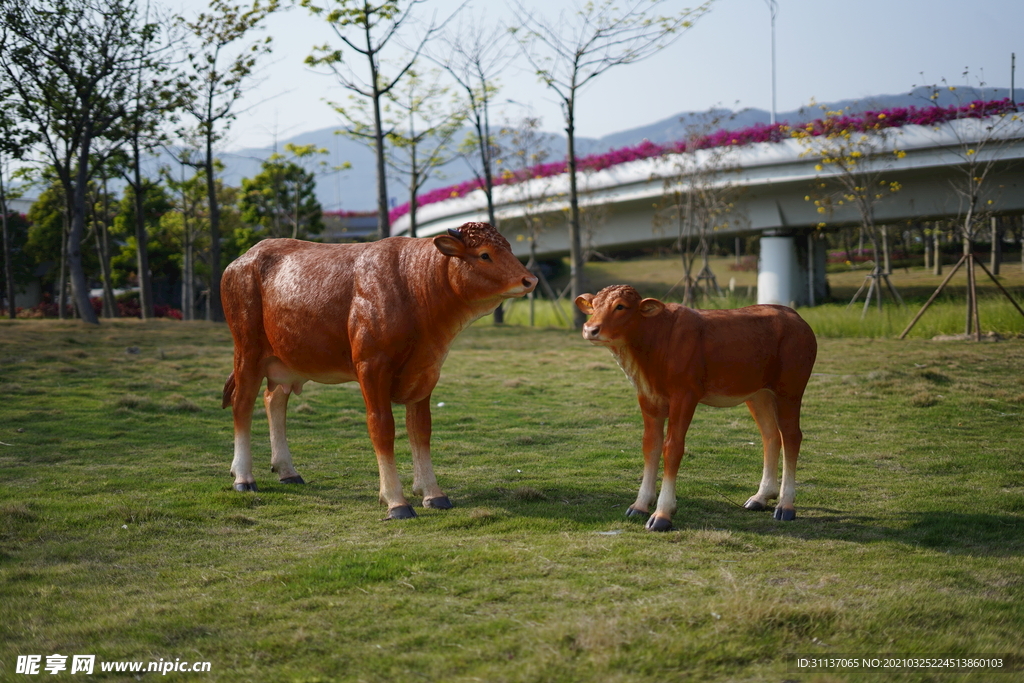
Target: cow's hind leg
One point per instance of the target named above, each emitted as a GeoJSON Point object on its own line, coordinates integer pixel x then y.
{"type": "Point", "coordinates": [763, 407]}
{"type": "Point", "coordinates": [424, 483]}
{"type": "Point", "coordinates": [247, 383]}
{"type": "Point", "coordinates": [789, 426]}
{"type": "Point", "coordinates": [276, 403]}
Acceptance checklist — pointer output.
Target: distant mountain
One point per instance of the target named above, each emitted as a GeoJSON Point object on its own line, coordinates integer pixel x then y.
{"type": "Point", "coordinates": [355, 189]}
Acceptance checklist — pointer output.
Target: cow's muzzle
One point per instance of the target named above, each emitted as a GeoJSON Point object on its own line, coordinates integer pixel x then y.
{"type": "Point", "coordinates": [591, 332]}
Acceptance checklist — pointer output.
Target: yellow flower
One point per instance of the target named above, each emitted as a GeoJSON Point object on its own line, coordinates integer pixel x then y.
{"type": "Point", "coordinates": [818, 167]}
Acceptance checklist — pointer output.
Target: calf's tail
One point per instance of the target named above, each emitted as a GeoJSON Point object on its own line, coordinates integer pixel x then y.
{"type": "Point", "coordinates": [229, 390]}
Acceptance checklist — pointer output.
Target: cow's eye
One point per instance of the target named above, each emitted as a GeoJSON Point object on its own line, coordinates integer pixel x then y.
{"type": "Point", "coordinates": [619, 307]}
{"type": "Point", "coordinates": [485, 256]}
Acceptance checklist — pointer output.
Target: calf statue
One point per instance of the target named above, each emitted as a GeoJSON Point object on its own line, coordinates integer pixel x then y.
{"type": "Point", "coordinates": [383, 314]}
{"type": "Point", "coordinates": [677, 357]}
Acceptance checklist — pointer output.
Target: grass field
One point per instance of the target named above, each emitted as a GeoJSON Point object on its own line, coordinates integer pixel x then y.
{"type": "Point", "coordinates": [121, 537]}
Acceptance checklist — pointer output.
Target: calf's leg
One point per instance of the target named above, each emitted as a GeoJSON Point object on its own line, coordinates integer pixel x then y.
{"type": "Point", "coordinates": [276, 403]}
{"type": "Point", "coordinates": [424, 483]}
{"type": "Point", "coordinates": [763, 407]}
{"type": "Point", "coordinates": [789, 426]}
{"type": "Point", "coordinates": [680, 415]}
{"type": "Point", "coordinates": [654, 440]}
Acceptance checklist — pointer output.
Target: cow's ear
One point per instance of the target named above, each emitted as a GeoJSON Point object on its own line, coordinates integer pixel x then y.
{"type": "Point", "coordinates": [585, 302]}
{"type": "Point", "coordinates": [450, 246]}
{"type": "Point", "coordinates": [649, 307]}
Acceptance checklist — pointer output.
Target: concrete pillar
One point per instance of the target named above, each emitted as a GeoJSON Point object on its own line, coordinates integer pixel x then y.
{"type": "Point", "coordinates": [791, 270]}
{"type": "Point", "coordinates": [776, 269]}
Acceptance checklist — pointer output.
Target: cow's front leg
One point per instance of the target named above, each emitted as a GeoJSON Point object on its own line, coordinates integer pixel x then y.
{"type": "Point", "coordinates": [424, 483]}
{"type": "Point", "coordinates": [653, 442]}
{"type": "Point", "coordinates": [380, 422]}
{"type": "Point", "coordinates": [276, 403]}
{"type": "Point", "coordinates": [680, 414]}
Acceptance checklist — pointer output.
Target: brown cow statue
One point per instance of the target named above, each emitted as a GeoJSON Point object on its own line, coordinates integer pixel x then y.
{"type": "Point", "coordinates": [677, 357]}
{"type": "Point", "coordinates": [383, 314]}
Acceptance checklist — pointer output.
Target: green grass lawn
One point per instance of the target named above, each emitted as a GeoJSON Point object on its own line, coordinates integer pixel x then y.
{"type": "Point", "coordinates": [121, 537]}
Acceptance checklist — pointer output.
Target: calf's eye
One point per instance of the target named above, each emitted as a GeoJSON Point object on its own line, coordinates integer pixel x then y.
{"type": "Point", "coordinates": [619, 307]}
{"type": "Point", "coordinates": [485, 256]}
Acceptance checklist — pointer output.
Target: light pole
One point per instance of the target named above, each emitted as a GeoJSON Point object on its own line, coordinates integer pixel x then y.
{"type": "Point", "coordinates": [773, 7]}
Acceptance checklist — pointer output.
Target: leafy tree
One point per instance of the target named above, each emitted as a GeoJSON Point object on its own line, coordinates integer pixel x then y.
{"type": "Point", "coordinates": [65, 62]}
{"type": "Point", "coordinates": [162, 245]}
{"type": "Point", "coordinates": [569, 53]}
{"type": "Point", "coordinates": [221, 64]}
{"type": "Point", "coordinates": [281, 200]}
{"type": "Point", "coordinates": [854, 156]}
{"type": "Point", "coordinates": [366, 29]}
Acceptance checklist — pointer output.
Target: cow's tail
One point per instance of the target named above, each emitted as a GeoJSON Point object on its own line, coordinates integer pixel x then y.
{"type": "Point", "coordinates": [229, 390]}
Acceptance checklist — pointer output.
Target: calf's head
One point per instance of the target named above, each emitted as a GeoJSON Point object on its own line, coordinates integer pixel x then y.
{"type": "Point", "coordinates": [484, 267]}
{"type": "Point", "coordinates": [614, 312]}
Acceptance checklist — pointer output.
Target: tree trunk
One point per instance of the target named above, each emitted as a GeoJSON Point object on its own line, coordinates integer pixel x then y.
{"type": "Point", "coordinates": [214, 305]}
{"type": "Point", "coordinates": [8, 268]}
{"type": "Point", "coordinates": [575, 250]}
{"type": "Point", "coordinates": [79, 283]}
{"type": "Point", "coordinates": [937, 243]}
{"type": "Point", "coordinates": [142, 241]}
{"type": "Point", "coordinates": [997, 245]}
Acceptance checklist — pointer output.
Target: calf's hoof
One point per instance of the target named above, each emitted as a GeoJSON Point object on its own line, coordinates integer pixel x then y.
{"type": "Point", "coordinates": [438, 503]}
{"type": "Point", "coordinates": [785, 515]}
{"type": "Point", "coordinates": [297, 479]}
{"type": "Point", "coordinates": [754, 504]}
{"type": "Point", "coordinates": [400, 512]}
{"type": "Point", "coordinates": [633, 512]}
{"type": "Point", "coordinates": [246, 486]}
{"type": "Point", "coordinates": [656, 523]}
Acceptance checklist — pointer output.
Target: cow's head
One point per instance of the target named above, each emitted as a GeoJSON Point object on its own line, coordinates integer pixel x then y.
{"type": "Point", "coordinates": [614, 312]}
{"type": "Point", "coordinates": [485, 266]}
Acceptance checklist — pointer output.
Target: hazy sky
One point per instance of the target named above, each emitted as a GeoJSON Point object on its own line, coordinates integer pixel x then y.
{"type": "Point", "coordinates": [826, 50]}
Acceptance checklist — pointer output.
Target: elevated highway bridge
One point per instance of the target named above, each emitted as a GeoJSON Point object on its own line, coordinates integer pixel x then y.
{"type": "Point", "coordinates": [769, 184]}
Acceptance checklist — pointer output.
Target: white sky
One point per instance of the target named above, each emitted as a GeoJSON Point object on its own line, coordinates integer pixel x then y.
{"type": "Point", "coordinates": [826, 50]}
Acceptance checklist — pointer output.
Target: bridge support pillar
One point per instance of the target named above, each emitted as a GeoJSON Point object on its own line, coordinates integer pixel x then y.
{"type": "Point", "coordinates": [791, 270]}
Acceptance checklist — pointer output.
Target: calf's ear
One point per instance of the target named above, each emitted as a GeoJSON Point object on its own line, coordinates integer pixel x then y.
{"type": "Point", "coordinates": [585, 302]}
{"type": "Point", "coordinates": [450, 246]}
{"type": "Point", "coordinates": [649, 307]}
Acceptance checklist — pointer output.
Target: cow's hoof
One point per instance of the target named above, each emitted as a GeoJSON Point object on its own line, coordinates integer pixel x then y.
{"type": "Point", "coordinates": [754, 504]}
{"type": "Point", "coordinates": [437, 503]}
{"type": "Point", "coordinates": [297, 479]}
{"type": "Point", "coordinates": [633, 512]}
{"type": "Point", "coordinates": [785, 515]}
{"type": "Point", "coordinates": [656, 523]}
{"type": "Point", "coordinates": [401, 512]}
{"type": "Point", "coordinates": [246, 486]}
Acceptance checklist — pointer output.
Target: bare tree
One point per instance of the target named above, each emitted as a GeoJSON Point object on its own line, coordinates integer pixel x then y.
{"type": "Point", "coordinates": [366, 29]}
{"type": "Point", "coordinates": [698, 198]}
{"type": "Point", "coordinates": [569, 53]}
{"type": "Point", "coordinates": [474, 56]}
{"type": "Point", "coordinates": [978, 138]}
{"type": "Point", "coordinates": [524, 149]}
{"type": "Point", "coordinates": [221, 65]}
{"type": "Point", "coordinates": [421, 146]}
